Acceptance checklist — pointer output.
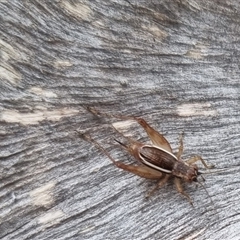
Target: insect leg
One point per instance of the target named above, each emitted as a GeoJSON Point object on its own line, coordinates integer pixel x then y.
{"type": "Point", "coordinates": [198, 158]}
{"type": "Point", "coordinates": [156, 137]}
{"type": "Point", "coordinates": [179, 187]}
{"type": "Point", "coordinates": [159, 184]}
{"type": "Point", "coordinates": [180, 149]}
{"type": "Point", "coordinates": [142, 171]}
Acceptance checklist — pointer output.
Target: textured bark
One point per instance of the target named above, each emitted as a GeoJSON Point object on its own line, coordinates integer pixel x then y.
{"type": "Point", "coordinates": [174, 63]}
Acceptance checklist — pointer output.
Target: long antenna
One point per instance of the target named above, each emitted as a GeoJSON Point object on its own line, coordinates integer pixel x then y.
{"type": "Point", "coordinates": [207, 192]}
{"type": "Point", "coordinates": [88, 138]}
{"type": "Point", "coordinates": [217, 171]}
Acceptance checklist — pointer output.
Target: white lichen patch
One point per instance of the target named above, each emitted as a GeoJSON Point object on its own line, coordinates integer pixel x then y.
{"type": "Point", "coordinates": [8, 52]}
{"type": "Point", "coordinates": [195, 234]}
{"type": "Point", "coordinates": [199, 51]}
{"type": "Point", "coordinates": [51, 218]}
{"type": "Point", "coordinates": [122, 125]}
{"type": "Point", "coordinates": [78, 9]}
{"type": "Point", "coordinates": [43, 196]}
{"type": "Point", "coordinates": [195, 109]}
{"type": "Point", "coordinates": [36, 116]}
{"type": "Point", "coordinates": [41, 92]}
{"type": "Point", "coordinates": [62, 64]}
{"type": "Point", "coordinates": [7, 72]}
{"type": "Point", "coordinates": [156, 31]}
{"type": "Point", "coordinates": [87, 229]}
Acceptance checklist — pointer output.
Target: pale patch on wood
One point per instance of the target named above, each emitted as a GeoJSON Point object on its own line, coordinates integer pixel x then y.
{"type": "Point", "coordinates": [51, 218]}
{"type": "Point", "coordinates": [77, 9]}
{"type": "Point", "coordinates": [8, 73]}
{"type": "Point", "coordinates": [8, 52]}
{"type": "Point", "coordinates": [154, 30]}
{"type": "Point", "coordinates": [121, 125]}
{"type": "Point", "coordinates": [98, 23]}
{"type": "Point", "coordinates": [193, 5]}
{"type": "Point", "coordinates": [195, 234]}
{"type": "Point", "coordinates": [199, 51]}
{"type": "Point", "coordinates": [36, 116]}
{"type": "Point", "coordinates": [45, 93]}
{"type": "Point", "coordinates": [196, 109]}
{"type": "Point", "coordinates": [62, 64]}
{"type": "Point", "coordinates": [6, 70]}
{"type": "Point", "coordinates": [87, 229]}
{"type": "Point", "coordinates": [43, 196]}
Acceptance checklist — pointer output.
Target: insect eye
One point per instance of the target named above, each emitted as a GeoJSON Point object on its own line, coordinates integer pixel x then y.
{"type": "Point", "coordinates": [194, 179]}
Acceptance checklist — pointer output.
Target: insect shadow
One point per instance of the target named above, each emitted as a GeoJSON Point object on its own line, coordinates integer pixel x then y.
{"type": "Point", "coordinates": [157, 160]}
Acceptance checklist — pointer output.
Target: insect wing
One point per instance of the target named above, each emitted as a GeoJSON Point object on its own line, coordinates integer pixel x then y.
{"type": "Point", "coordinates": [157, 138]}
{"type": "Point", "coordinates": [157, 158]}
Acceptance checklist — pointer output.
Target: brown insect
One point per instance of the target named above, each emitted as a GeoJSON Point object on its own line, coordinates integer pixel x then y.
{"type": "Point", "coordinates": [157, 160]}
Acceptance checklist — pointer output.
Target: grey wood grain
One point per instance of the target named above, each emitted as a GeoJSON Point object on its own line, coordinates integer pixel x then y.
{"type": "Point", "coordinates": [174, 63]}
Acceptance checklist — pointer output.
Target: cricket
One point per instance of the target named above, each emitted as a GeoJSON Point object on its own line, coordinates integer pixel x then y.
{"type": "Point", "coordinates": [156, 160]}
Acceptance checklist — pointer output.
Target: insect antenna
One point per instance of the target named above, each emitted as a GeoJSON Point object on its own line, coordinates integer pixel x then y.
{"type": "Point", "coordinates": [206, 192]}
{"type": "Point", "coordinates": [122, 144]}
{"type": "Point", "coordinates": [200, 173]}
{"type": "Point", "coordinates": [97, 145]}
{"type": "Point", "coordinates": [217, 171]}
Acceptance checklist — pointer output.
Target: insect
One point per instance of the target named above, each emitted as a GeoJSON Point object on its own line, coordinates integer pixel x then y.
{"type": "Point", "coordinates": [157, 160]}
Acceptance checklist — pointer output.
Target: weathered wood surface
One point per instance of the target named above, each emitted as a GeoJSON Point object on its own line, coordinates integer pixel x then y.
{"type": "Point", "coordinates": [175, 63]}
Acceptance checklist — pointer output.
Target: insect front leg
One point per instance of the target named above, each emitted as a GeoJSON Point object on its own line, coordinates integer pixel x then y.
{"type": "Point", "coordinates": [179, 188]}
{"type": "Point", "coordinates": [198, 158]}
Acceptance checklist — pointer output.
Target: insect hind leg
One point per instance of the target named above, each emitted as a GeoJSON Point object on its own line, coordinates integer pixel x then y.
{"type": "Point", "coordinates": [156, 137]}
{"type": "Point", "coordinates": [141, 170]}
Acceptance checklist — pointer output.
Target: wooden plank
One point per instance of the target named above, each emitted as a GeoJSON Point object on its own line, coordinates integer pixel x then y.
{"type": "Point", "coordinates": [176, 64]}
